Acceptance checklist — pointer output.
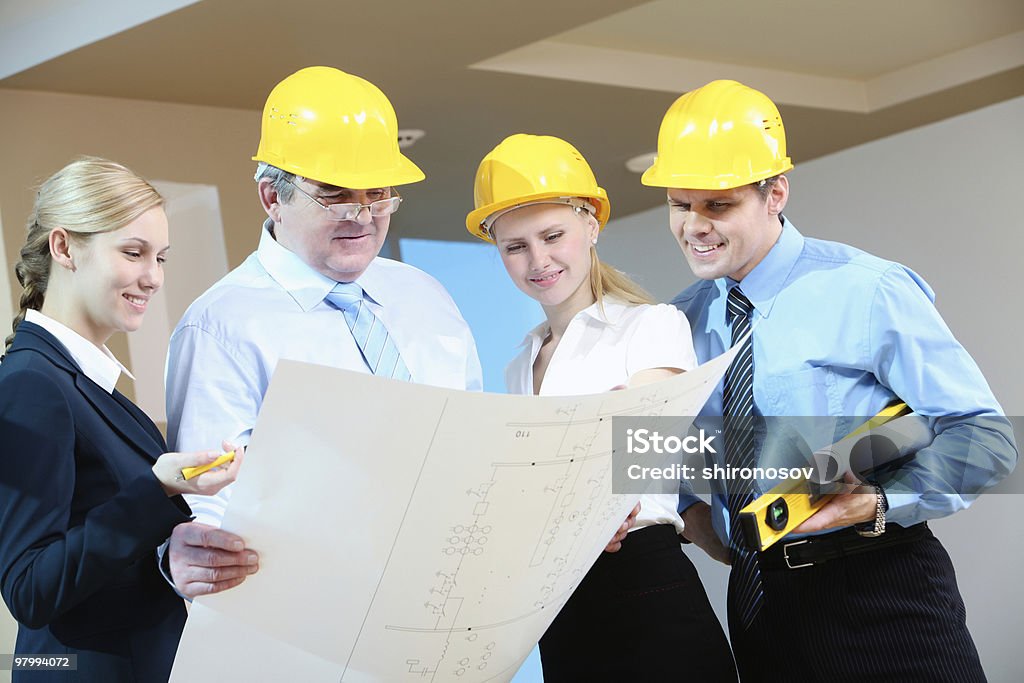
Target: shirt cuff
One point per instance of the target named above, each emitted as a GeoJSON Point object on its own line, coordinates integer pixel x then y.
{"type": "Point", "coordinates": [163, 563]}
{"type": "Point", "coordinates": [686, 501]}
{"type": "Point", "coordinates": [902, 507]}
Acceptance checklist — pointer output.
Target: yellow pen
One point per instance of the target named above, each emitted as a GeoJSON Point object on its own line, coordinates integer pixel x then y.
{"type": "Point", "coordinates": [192, 472]}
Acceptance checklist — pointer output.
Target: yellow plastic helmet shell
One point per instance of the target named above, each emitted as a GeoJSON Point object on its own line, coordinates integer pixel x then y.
{"type": "Point", "coordinates": [326, 125]}
{"type": "Point", "coordinates": [528, 169]}
{"type": "Point", "coordinates": [719, 136]}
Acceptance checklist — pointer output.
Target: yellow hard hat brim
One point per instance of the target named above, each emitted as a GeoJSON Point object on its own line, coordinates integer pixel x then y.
{"type": "Point", "coordinates": [404, 172]}
{"type": "Point", "coordinates": [602, 207]}
{"type": "Point", "coordinates": [657, 176]}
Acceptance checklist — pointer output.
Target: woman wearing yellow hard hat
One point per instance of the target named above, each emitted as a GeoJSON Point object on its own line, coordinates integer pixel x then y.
{"type": "Point", "coordinates": [536, 198]}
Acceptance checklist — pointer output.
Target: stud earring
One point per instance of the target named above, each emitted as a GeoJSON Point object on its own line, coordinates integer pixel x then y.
{"type": "Point", "coordinates": [593, 241]}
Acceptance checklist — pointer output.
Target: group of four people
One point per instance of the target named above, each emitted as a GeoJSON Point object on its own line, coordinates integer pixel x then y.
{"type": "Point", "coordinates": [835, 332]}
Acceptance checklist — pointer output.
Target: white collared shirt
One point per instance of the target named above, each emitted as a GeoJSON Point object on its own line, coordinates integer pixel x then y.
{"type": "Point", "coordinates": [600, 350]}
{"type": "Point", "coordinates": [98, 363]}
{"type": "Point", "coordinates": [225, 349]}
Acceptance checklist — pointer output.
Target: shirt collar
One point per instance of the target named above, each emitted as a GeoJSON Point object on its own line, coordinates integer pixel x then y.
{"type": "Point", "coordinates": [765, 281]}
{"type": "Point", "coordinates": [302, 283]}
{"type": "Point", "coordinates": [305, 285]}
{"type": "Point", "coordinates": [607, 313]}
{"type": "Point", "coordinates": [374, 282]}
{"type": "Point", "coordinates": [538, 333]}
{"type": "Point", "coordinates": [98, 363]}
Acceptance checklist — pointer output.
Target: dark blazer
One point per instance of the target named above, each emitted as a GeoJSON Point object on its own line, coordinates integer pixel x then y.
{"type": "Point", "coordinates": [81, 514]}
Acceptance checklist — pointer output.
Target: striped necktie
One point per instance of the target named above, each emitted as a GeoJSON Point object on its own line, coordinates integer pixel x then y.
{"type": "Point", "coordinates": [738, 411]}
{"type": "Point", "coordinates": [378, 349]}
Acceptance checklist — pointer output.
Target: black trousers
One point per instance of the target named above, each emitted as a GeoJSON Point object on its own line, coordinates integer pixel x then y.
{"type": "Point", "coordinates": [892, 614]}
{"type": "Point", "coordinates": [640, 614]}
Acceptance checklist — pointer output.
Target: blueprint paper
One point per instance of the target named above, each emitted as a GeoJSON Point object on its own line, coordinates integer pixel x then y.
{"type": "Point", "coordinates": [411, 533]}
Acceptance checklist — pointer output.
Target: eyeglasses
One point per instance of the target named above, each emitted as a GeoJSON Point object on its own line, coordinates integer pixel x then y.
{"type": "Point", "coordinates": [350, 212]}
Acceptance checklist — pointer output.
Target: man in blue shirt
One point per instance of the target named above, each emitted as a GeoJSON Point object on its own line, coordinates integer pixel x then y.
{"type": "Point", "coordinates": [315, 291]}
{"type": "Point", "coordinates": [866, 589]}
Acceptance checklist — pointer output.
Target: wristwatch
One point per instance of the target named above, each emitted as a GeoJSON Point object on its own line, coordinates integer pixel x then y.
{"type": "Point", "coordinates": [871, 529]}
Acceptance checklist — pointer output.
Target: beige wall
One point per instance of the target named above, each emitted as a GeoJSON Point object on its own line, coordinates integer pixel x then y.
{"type": "Point", "coordinates": [179, 143]}
{"type": "Point", "coordinates": [6, 297]}
{"type": "Point", "coordinates": [8, 631]}
{"type": "Point", "coordinates": [8, 628]}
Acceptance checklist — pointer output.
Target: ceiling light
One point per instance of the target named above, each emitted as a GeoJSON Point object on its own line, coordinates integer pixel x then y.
{"type": "Point", "coordinates": [407, 137]}
{"type": "Point", "coordinates": [641, 163]}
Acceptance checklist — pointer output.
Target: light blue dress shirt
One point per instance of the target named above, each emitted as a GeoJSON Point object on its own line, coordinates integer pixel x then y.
{"type": "Point", "coordinates": [225, 349]}
{"type": "Point", "coordinates": [841, 333]}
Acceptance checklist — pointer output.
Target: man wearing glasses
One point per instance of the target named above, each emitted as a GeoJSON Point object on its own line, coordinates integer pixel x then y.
{"type": "Point", "coordinates": [314, 291]}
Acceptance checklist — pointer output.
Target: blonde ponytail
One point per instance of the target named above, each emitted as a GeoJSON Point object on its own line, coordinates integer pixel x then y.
{"type": "Point", "coordinates": [608, 281]}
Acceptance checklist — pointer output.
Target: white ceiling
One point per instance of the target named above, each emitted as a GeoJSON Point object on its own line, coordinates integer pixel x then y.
{"type": "Point", "coordinates": [36, 31]}
{"type": "Point", "coordinates": [846, 56]}
{"type": "Point", "coordinates": [858, 39]}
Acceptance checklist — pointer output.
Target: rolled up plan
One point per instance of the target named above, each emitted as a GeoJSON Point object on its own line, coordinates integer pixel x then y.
{"type": "Point", "coordinates": [872, 450]}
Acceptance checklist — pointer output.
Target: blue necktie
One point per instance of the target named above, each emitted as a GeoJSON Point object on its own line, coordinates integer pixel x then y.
{"type": "Point", "coordinates": [738, 411]}
{"type": "Point", "coordinates": [378, 349]}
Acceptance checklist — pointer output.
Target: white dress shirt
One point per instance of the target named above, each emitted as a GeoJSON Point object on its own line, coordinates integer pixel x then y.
{"type": "Point", "coordinates": [599, 351]}
{"type": "Point", "coordinates": [225, 349]}
{"type": "Point", "coordinates": [98, 363]}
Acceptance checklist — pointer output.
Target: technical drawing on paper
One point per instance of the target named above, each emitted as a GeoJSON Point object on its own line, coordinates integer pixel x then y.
{"type": "Point", "coordinates": [435, 549]}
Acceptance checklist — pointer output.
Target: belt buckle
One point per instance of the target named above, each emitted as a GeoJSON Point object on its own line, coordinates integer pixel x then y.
{"type": "Point", "coordinates": [785, 554]}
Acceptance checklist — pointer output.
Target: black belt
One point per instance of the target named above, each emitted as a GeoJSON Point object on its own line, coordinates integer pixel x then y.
{"type": "Point", "coordinates": [807, 552]}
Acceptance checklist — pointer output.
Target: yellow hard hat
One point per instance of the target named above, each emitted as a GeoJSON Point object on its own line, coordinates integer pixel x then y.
{"type": "Point", "coordinates": [530, 169]}
{"type": "Point", "coordinates": [719, 136]}
{"type": "Point", "coordinates": [326, 125]}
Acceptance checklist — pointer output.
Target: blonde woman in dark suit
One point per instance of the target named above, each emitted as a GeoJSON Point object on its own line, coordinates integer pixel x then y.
{"type": "Point", "coordinates": [87, 491]}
